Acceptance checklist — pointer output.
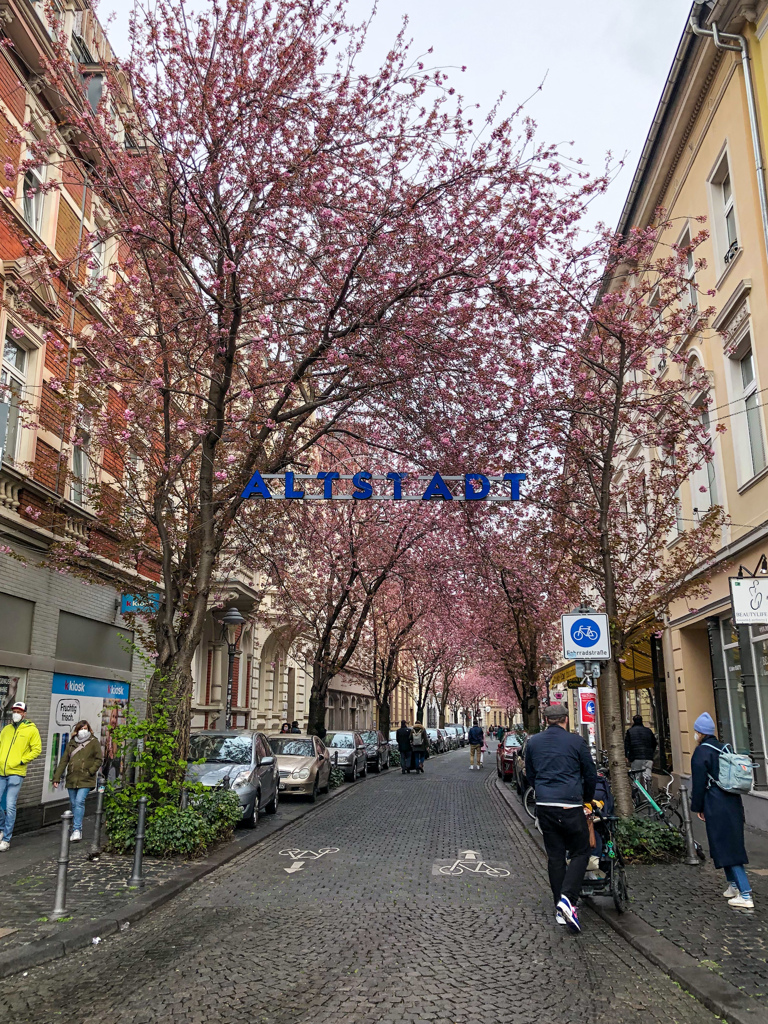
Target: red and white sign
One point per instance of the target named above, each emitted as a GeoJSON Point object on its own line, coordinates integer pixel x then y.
{"type": "Point", "coordinates": [588, 706]}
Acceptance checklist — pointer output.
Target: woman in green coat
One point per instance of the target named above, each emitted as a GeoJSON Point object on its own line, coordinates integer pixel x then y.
{"type": "Point", "coordinates": [82, 760]}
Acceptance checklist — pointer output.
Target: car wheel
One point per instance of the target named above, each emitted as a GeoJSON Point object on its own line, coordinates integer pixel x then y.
{"type": "Point", "coordinates": [315, 791]}
{"type": "Point", "coordinates": [364, 772]}
{"type": "Point", "coordinates": [250, 820]}
{"type": "Point", "coordinates": [327, 787]}
{"type": "Point", "coordinates": [271, 807]}
{"type": "Point", "coordinates": [386, 763]}
{"type": "Point", "coordinates": [377, 769]}
{"type": "Point", "coordinates": [498, 772]}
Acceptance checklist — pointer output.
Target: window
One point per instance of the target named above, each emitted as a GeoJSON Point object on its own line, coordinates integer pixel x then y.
{"type": "Point", "coordinates": [34, 197]}
{"type": "Point", "coordinates": [725, 228]}
{"type": "Point", "coordinates": [752, 411]}
{"type": "Point", "coordinates": [12, 379]}
{"type": "Point", "coordinates": [708, 499]}
{"type": "Point", "coordinates": [690, 272]}
{"type": "Point", "coordinates": [729, 217]}
{"type": "Point", "coordinates": [81, 457]}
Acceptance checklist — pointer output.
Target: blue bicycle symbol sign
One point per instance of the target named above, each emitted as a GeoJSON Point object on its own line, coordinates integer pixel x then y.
{"type": "Point", "coordinates": [585, 632]}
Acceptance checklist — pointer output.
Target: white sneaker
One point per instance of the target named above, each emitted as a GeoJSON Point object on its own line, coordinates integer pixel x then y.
{"type": "Point", "coordinates": [740, 902]}
{"type": "Point", "coordinates": [559, 919]}
{"type": "Point", "coordinates": [4, 846]}
{"type": "Point", "coordinates": [731, 891]}
{"type": "Point", "coordinates": [76, 836]}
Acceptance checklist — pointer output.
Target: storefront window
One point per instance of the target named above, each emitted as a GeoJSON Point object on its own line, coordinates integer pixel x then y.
{"type": "Point", "coordinates": [737, 705]}
{"type": "Point", "coordinates": [760, 654]}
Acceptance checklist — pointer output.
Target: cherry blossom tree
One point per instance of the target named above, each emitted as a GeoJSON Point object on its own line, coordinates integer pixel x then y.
{"type": "Point", "coordinates": [294, 250]}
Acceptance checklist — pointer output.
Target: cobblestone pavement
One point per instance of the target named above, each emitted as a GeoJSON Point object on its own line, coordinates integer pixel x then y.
{"type": "Point", "coordinates": [372, 934]}
{"type": "Point", "coordinates": [686, 906]}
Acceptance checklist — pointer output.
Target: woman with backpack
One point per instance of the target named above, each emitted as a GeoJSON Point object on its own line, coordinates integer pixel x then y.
{"type": "Point", "coordinates": [722, 811]}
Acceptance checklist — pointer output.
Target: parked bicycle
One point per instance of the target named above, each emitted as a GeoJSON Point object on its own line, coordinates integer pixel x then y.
{"type": "Point", "coordinates": [664, 806]}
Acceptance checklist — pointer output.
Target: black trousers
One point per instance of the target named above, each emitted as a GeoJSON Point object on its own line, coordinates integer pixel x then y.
{"type": "Point", "coordinates": [565, 830]}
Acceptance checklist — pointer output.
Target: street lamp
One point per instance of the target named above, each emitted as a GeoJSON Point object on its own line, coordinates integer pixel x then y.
{"type": "Point", "coordinates": [230, 620]}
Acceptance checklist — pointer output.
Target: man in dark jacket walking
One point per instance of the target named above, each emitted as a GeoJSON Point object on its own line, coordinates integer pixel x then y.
{"type": "Point", "coordinates": [640, 746]}
{"type": "Point", "coordinates": [403, 737]}
{"type": "Point", "coordinates": [560, 768]}
{"type": "Point", "coordinates": [476, 739]}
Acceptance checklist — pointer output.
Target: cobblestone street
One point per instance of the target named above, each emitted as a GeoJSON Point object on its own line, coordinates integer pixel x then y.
{"type": "Point", "coordinates": [371, 933]}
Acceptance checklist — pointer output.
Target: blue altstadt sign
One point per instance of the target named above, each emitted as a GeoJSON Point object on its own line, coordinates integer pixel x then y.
{"type": "Point", "coordinates": [384, 487]}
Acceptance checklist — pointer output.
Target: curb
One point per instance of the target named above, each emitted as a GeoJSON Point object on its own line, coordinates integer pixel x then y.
{"type": "Point", "coordinates": [45, 950]}
{"type": "Point", "coordinates": [708, 988]}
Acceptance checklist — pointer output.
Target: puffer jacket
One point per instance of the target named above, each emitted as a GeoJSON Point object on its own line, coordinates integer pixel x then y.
{"type": "Point", "coordinates": [82, 766]}
{"type": "Point", "coordinates": [19, 744]}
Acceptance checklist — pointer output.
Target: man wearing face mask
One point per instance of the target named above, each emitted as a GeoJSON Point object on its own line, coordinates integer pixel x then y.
{"type": "Point", "coordinates": [82, 760]}
{"type": "Point", "coordinates": [19, 744]}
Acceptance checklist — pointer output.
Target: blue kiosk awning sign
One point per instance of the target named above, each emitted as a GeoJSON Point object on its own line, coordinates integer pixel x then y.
{"type": "Point", "coordinates": [388, 487]}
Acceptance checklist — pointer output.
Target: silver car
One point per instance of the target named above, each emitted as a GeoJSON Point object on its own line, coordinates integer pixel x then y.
{"type": "Point", "coordinates": [453, 736]}
{"type": "Point", "coordinates": [347, 751]}
{"type": "Point", "coordinates": [240, 760]}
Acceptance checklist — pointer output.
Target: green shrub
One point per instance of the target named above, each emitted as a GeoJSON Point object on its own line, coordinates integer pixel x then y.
{"type": "Point", "coordinates": [645, 841]}
{"type": "Point", "coordinates": [220, 809]}
{"type": "Point", "coordinates": [337, 778]}
{"type": "Point", "coordinates": [394, 759]}
{"type": "Point", "coordinates": [171, 831]}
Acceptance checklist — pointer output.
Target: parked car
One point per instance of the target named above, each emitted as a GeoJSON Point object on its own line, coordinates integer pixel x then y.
{"type": "Point", "coordinates": [436, 741]}
{"type": "Point", "coordinates": [348, 751]}
{"type": "Point", "coordinates": [241, 760]}
{"type": "Point", "coordinates": [376, 749]}
{"type": "Point", "coordinates": [447, 745]}
{"type": "Point", "coordinates": [521, 782]}
{"type": "Point", "coordinates": [506, 755]}
{"type": "Point", "coordinates": [304, 764]}
{"type": "Point", "coordinates": [453, 736]}
{"type": "Point", "coordinates": [461, 732]}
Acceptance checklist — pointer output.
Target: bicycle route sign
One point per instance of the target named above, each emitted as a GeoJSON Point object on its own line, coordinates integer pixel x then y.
{"type": "Point", "coordinates": [586, 636]}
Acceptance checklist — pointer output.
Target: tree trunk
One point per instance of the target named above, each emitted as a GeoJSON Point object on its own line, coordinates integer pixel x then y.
{"type": "Point", "coordinates": [316, 718]}
{"type": "Point", "coordinates": [420, 711]}
{"type": "Point", "coordinates": [530, 708]}
{"type": "Point", "coordinates": [384, 717]}
{"type": "Point", "coordinates": [609, 696]}
{"type": "Point", "coordinates": [170, 690]}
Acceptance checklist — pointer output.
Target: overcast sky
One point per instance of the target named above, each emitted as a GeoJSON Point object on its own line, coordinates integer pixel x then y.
{"type": "Point", "coordinates": [603, 63]}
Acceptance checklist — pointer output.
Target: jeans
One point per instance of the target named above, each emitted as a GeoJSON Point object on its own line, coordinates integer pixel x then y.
{"type": "Point", "coordinates": [77, 803]}
{"type": "Point", "coordinates": [418, 757]}
{"type": "Point", "coordinates": [405, 760]}
{"type": "Point", "coordinates": [565, 830]}
{"type": "Point", "coordinates": [10, 786]}
{"type": "Point", "coordinates": [737, 876]}
{"type": "Point", "coordinates": [474, 752]}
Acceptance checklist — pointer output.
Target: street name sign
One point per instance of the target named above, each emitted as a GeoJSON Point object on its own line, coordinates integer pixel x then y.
{"type": "Point", "coordinates": [749, 598]}
{"type": "Point", "coordinates": [586, 636]}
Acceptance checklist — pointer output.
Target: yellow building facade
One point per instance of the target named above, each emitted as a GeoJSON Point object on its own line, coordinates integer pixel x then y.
{"type": "Point", "coordinates": [705, 155]}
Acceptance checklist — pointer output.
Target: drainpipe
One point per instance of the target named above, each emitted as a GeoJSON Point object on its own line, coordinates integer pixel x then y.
{"type": "Point", "coordinates": [738, 43]}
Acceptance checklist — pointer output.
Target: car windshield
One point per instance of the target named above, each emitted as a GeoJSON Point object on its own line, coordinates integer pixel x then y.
{"type": "Point", "coordinates": [392, 734]}
{"type": "Point", "coordinates": [227, 749]}
{"type": "Point", "coordinates": [370, 737]}
{"type": "Point", "coordinates": [290, 746]}
{"type": "Point", "coordinates": [432, 733]}
{"type": "Point", "coordinates": [340, 740]}
{"type": "Point", "coordinates": [511, 741]}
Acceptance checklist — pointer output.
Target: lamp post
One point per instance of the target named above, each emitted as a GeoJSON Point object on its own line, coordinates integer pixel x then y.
{"type": "Point", "coordinates": [230, 620]}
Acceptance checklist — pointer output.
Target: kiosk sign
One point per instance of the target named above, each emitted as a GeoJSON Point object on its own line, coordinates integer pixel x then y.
{"type": "Point", "coordinates": [586, 636]}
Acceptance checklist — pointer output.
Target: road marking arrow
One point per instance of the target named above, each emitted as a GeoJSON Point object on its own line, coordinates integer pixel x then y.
{"type": "Point", "coordinates": [296, 866]}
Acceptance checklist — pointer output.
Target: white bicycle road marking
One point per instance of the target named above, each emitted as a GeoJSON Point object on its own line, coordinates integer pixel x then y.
{"type": "Point", "coordinates": [470, 862]}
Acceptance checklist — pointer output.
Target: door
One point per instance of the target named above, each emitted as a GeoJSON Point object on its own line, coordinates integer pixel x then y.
{"type": "Point", "coordinates": [266, 771]}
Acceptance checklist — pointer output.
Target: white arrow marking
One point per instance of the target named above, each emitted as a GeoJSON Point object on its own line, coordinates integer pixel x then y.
{"type": "Point", "coordinates": [470, 855]}
{"type": "Point", "coordinates": [297, 865]}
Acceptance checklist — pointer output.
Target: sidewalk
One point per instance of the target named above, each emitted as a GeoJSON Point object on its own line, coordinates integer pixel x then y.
{"type": "Point", "coordinates": [680, 921]}
{"type": "Point", "coordinates": [99, 900]}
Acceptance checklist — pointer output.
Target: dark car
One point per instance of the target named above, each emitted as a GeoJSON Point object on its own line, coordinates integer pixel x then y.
{"type": "Point", "coordinates": [507, 753]}
{"type": "Point", "coordinates": [436, 741]}
{"type": "Point", "coordinates": [376, 749]}
{"type": "Point", "coordinates": [240, 760]}
{"type": "Point", "coordinates": [347, 750]}
{"type": "Point", "coordinates": [521, 782]}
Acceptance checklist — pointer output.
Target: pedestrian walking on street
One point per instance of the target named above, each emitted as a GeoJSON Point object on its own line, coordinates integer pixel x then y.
{"type": "Point", "coordinates": [476, 740]}
{"type": "Point", "coordinates": [483, 750]}
{"type": "Point", "coordinates": [19, 745]}
{"type": "Point", "coordinates": [560, 768]}
{"type": "Point", "coordinates": [403, 737]}
{"type": "Point", "coordinates": [295, 728]}
{"type": "Point", "coordinates": [420, 745]}
{"type": "Point", "coordinates": [500, 733]}
{"type": "Point", "coordinates": [81, 759]}
{"type": "Point", "coordinates": [721, 811]}
{"type": "Point", "coordinates": [285, 728]}
{"type": "Point", "coordinates": [640, 747]}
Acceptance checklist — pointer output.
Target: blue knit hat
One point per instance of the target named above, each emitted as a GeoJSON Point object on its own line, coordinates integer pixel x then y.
{"type": "Point", "coordinates": [705, 725]}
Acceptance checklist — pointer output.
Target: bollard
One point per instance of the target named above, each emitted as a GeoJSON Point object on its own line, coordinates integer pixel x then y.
{"type": "Point", "coordinates": [690, 843]}
{"type": "Point", "coordinates": [95, 851]}
{"type": "Point", "coordinates": [60, 900]}
{"type": "Point", "coordinates": [138, 852]}
{"type": "Point", "coordinates": [184, 799]}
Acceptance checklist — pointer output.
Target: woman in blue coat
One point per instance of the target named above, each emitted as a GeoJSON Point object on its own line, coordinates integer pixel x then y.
{"type": "Point", "coordinates": [722, 812]}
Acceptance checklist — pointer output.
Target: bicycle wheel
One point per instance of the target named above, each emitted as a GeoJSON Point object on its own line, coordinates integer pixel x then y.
{"type": "Point", "coordinates": [673, 817]}
{"type": "Point", "coordinates": [619, 888]}
{"type": "Point", "coordinates": [529, 802]}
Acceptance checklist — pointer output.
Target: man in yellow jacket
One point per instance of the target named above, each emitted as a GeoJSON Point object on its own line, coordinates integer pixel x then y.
{"type": "Point", "coordinates": [19, 744]}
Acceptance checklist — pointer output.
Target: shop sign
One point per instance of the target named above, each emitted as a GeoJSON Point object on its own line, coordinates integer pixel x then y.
{"type": "Point", "coordinates": [103, 703]}
{"type": "Point", "coordinates": [586, 636]}
{"type": "Point", "coordinates": [389, 486]}
{"type": "Point", "coordinates": [136, 604]}
{"type": "Point", "coordinates": [749, 598]}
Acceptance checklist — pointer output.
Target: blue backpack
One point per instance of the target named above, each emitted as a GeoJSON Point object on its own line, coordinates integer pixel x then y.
{"type": "Point", "coordinates": [735, 772]}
